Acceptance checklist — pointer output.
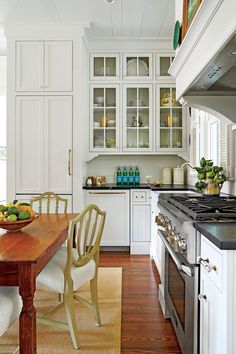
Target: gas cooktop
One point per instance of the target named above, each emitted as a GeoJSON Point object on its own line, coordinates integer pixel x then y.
{"type": "Point", "coordinates": [203, 208]}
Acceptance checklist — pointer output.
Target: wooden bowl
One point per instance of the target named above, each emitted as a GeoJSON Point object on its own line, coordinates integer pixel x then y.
{"type": "Point", "coordinates": [12, 226]}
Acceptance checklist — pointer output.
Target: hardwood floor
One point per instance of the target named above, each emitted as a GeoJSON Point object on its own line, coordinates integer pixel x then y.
{"type": "Point", "coordinates": [143, 328]}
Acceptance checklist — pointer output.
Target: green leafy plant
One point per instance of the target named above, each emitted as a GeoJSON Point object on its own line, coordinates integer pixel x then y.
{"type": "Point", "coordinates": [209, 175]}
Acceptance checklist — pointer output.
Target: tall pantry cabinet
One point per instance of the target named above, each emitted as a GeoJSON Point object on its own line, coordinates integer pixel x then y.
{"type": "Point", "coordinates": [43, 97]}
{"type": "Point", "coordinates": [43, 122]}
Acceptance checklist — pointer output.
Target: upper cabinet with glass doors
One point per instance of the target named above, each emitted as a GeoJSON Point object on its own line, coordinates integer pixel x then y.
{"type": "Point", "coordinates": [163, 63]}
{"type": "Point", "coordinates": [137, 66]}
{"type": "Point", "coordinates": [104, 67]}
{"type": "Point", "coordinates": [170, 121]}
{"type": "Point", "coordinates": [137, 127]}
{"type": "Point", "coordinates": [104, 118]}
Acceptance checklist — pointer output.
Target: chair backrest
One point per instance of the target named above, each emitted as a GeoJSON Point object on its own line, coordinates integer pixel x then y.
{"type": "Point", "coordinates": [86, 230]}
{"type": "Point", "coordinates": [52, 200]}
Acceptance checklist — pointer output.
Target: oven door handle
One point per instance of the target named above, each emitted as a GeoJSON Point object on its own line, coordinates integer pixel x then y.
{"type": "Point", "coordinates": [181, 267]}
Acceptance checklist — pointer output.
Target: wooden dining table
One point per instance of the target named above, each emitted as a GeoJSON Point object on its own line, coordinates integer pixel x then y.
{"type": "Point", "coordinates": [23, 254]}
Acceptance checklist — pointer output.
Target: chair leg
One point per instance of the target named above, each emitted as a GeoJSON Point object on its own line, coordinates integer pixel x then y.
{"type": "Point", "coordinates": [94, 297]}
{"type": "Point", "coordinates": [70, 313]}
{"type": "Point", "coordinates": [60, 297]}
{"type": "Point", "coordinates": [11, 352]}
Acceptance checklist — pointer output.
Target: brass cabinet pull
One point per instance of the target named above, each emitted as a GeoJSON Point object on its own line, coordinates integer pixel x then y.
{"type": "Point", "coordinates": [107, 193]}
{"type": "Point", "coordinates": [69, 163]}
{"type": "Point", "coordinates": [206, 264]}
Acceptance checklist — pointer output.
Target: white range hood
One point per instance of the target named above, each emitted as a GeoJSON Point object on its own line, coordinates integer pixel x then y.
{"type": "Point", "coordinates": [205, 63]}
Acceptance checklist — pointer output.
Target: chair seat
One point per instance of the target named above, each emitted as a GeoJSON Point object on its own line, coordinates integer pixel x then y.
{"type": "Point", "coordinates": [10, 306]}
{"type": "Point", "coordinates": [51, 277]}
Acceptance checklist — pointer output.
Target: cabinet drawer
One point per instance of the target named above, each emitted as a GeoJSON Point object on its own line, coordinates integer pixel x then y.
{"type": "Point", "coordinates": [212, 262]}
{"type": "Point", "coordinates": [139, 196]}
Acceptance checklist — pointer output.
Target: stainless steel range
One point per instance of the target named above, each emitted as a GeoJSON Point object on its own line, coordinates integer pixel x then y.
{"type": "Point", "coordinates": [176, 219]}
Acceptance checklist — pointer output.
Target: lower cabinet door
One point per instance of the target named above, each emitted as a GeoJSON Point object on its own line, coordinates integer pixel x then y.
{"type": "Point", "coordinates": [140, 229]}
{"type": "Point", "coordinates": [116, 204]}
{"type": "Point", "coordinates": [26, 198]}
{"type": "Point", "coordinates": [212, 324]}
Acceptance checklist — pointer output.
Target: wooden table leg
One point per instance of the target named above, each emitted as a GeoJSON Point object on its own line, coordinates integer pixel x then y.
{"type": "Point", "coordinates": [27, 328]}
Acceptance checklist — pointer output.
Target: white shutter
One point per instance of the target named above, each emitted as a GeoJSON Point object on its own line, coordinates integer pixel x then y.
{"type": "Point", "coordinates": [194, 139]}
{"type": "Point", "coordinates": [227, 150]}
{"type": "Point", "coordinates": [193, 147]}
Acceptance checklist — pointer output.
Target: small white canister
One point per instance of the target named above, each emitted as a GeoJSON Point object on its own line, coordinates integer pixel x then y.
{"type": "Point", "coordinates": [167, 175]}
{"type": "Point", "coordinates": [178, 175]}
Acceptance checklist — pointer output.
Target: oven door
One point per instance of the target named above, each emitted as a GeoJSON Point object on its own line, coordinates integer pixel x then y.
{"type": "Point", "coordinates": [181, 290]}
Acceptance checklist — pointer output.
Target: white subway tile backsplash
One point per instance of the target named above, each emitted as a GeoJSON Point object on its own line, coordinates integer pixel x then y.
{"type": "Point", "coordinates": [148, 165]}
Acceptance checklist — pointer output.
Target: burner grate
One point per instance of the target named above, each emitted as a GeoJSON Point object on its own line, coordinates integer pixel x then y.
{"type": "Point", "coordinates": [202, 208]}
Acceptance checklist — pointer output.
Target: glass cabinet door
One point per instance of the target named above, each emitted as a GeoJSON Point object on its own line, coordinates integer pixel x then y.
{"type": "Point", "coordinates": [163, 63]}
{"type": "Point", "coordinates": [104, 118]}
{"type": "Point", "coordinates": [170, 119]}
{"type": "Point", "coordinates": [104, 66]}
{"type": "Point", "coordinates": [137, 66]}
{"type": "Point", "coordinates": [138, 119]}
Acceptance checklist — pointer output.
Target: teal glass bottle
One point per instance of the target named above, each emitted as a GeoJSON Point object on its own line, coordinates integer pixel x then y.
{"type": "Point", "coordinates": [131, 176]}
{"type": "Point", "coordinates": [118, 176]}
{"type": "Point", "coordinates": [137, 176]}
{"type": "Point", "coordinates": [125, 176]}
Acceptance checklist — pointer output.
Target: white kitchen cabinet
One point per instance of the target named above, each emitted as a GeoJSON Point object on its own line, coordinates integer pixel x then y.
{"type": "Point", "coordinates": [138, 119]}
{"type": "Point", "coordinates": [170, 120]}
{"type": "Point", "coordinates": [104, 66]}
{"type": "Point", "coordinates": [104, 118]}
{"type": "Point", "coordinates": [217, 296]}
{"type": "Point", "coordinates": [43, 144]}
{"type": "Point", "coordinates": [58, 66]}
{"type": "Point", "coordinates": [211, 317]}
{"type": "Point", "coordinates": [137, 66]}
{"type": "Point", "coordinates": [163, 62]}
{"type": "Point", "coordinates": [30, 66]}
{"type": "Point", "coordinates": [140, 221]}
{"type": "Point", "coordinates": [116, 204]}
{"type": "Point", "coordinates": [43, 66]}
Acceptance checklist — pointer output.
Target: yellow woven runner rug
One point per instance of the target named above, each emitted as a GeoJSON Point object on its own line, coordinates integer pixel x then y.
{"type": "Point", "coordinates": [94, 340]}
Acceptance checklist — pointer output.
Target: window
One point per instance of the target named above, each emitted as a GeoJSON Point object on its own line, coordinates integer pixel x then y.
{"type": "Point", "coordinates": [3, 128]}
{"type": "Point", "coordinates": [211, 138]}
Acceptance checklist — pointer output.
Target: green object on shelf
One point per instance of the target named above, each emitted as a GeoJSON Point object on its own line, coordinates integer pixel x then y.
{"type": "Point", "coordinates": [131, 176]}
{"type": "Point", "coordinates": [125, 176]}
{"type": "Point", "coordinates": [137, 176]}
{"type": "Point", "coordinates": [177, 35]}
{"type": "Point", "coordinates": [118, 176]}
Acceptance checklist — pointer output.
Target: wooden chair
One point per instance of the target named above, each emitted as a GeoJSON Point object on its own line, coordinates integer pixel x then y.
{"type": "Point", "coordinates": [50, 197]}
{"type": "Point", "coordinates": [70, 268]}
{"type": "Point", "coordinates": [10, 307]}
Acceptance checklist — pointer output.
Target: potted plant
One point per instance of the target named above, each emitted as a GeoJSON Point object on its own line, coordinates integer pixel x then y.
{"type": "Point", "coordinates": [210, 178]}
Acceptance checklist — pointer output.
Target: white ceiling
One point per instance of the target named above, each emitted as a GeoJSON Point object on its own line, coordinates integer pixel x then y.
{"type": "Point", "coordinates": [125, 18]}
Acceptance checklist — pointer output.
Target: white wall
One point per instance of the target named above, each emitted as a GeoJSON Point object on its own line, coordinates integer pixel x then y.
{"type": "Point", "coordinates": [148, 165]}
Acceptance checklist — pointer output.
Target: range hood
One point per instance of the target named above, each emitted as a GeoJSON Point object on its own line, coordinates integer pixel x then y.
{"type": "Point", "coordinates": [205, 64]}
{"type": "Point", "coordinates": [220, 73]}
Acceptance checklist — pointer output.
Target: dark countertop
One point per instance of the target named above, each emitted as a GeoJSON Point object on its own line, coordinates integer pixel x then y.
{"type": "Point", "coordinates": [221, 234]}
{"type": "Point", "coordinates": [153, 187]}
